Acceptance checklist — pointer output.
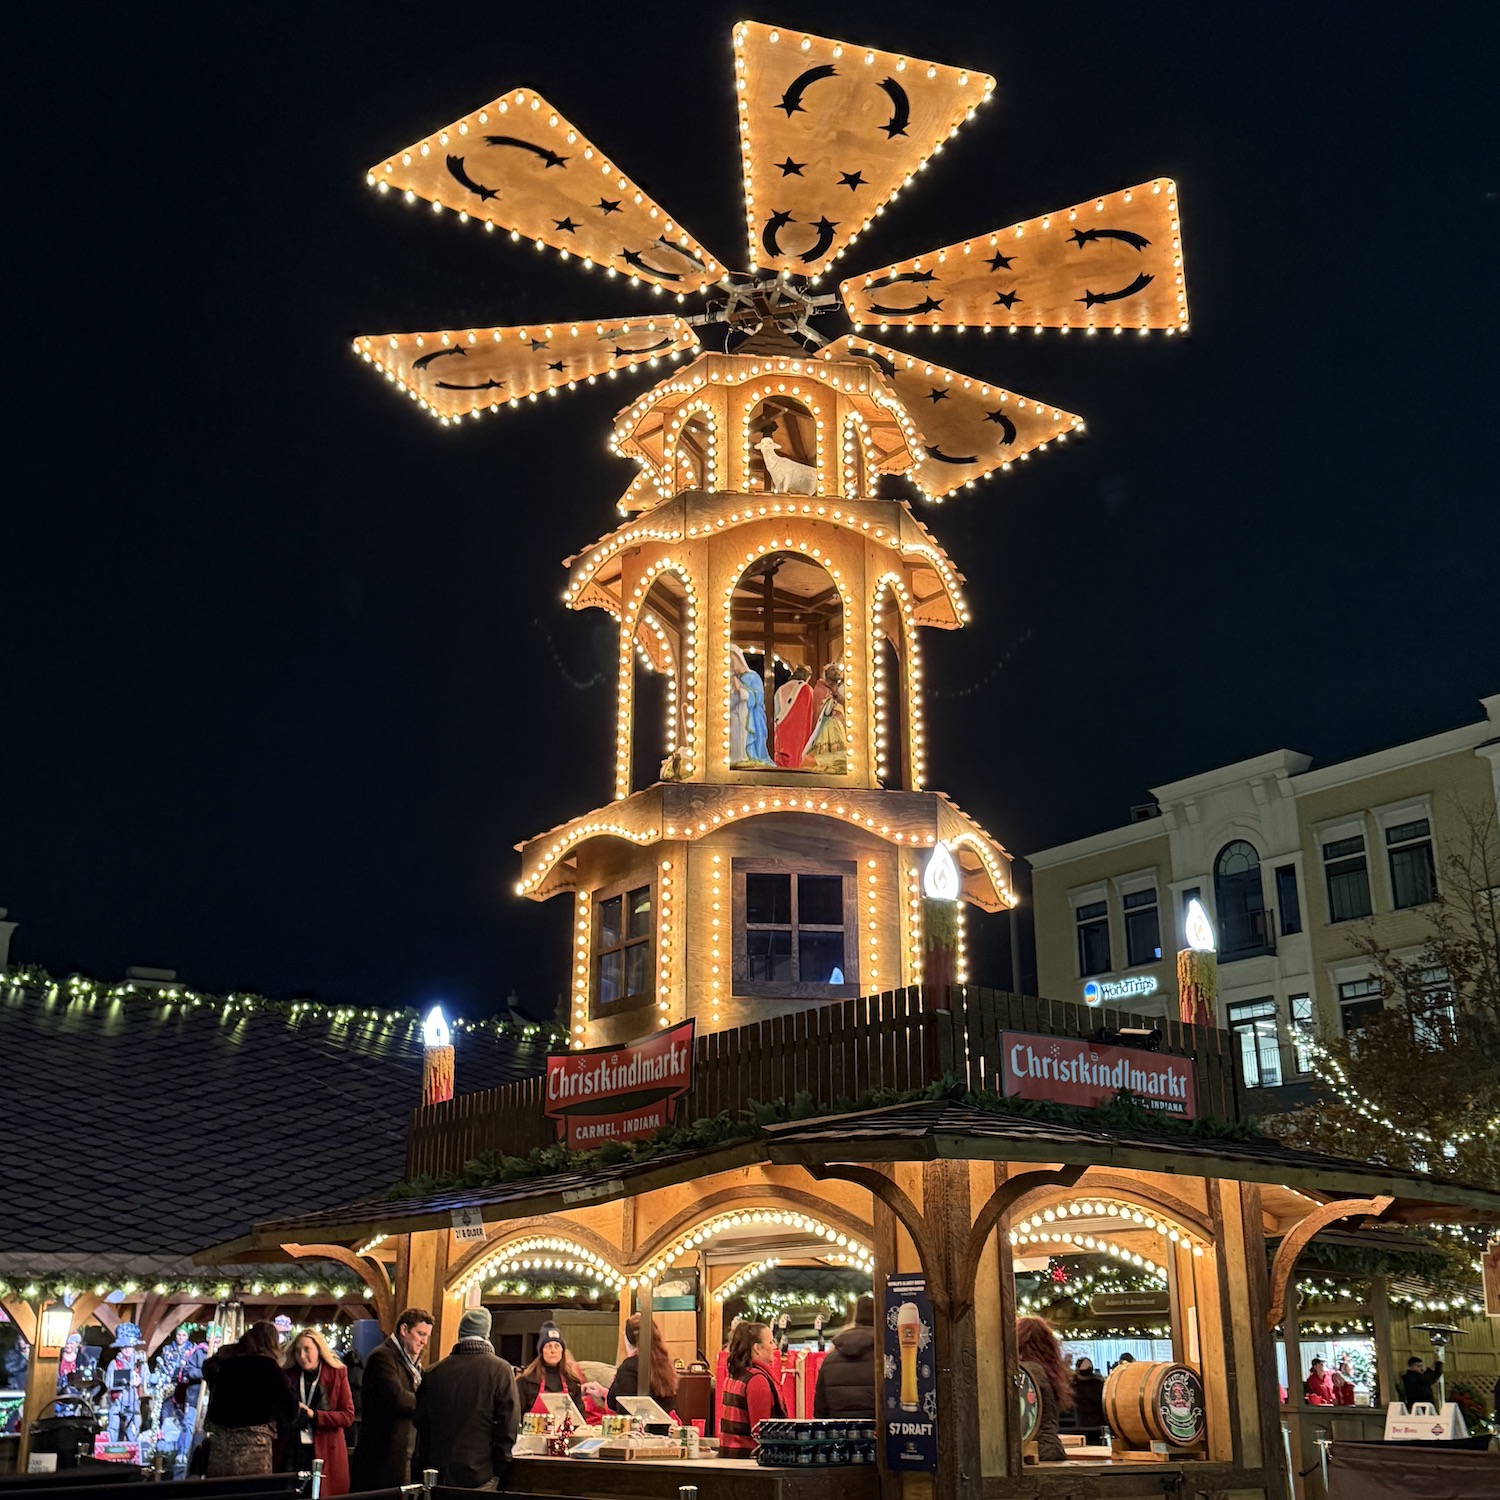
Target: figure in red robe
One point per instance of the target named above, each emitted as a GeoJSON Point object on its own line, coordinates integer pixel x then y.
{"type": "Point", "coordinates": [796, 713]}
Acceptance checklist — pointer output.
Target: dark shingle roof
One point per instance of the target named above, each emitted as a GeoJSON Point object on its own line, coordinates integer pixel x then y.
{"type": "Point", "coordinates": [138, 1129]}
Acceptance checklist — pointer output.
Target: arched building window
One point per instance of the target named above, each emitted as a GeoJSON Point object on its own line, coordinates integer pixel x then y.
{"type": "Point", "coordinates": [1244, 928]}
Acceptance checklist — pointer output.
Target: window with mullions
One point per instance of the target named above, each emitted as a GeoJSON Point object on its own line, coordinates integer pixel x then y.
{"type": "Point", "coordinates": [1304, 1024]}
{"type": "Point", "coordinates": [1429, 1002]}
{"type": "Point", "coordinates": [1413, 874]}
{"type": "Point", "coordinates": [1254, 1023]}
{"type": "Point", "coordinates": [1287, 901]}
{"type": "Point", "coordinates": [796, 932]}
{"type": "Point", "coordinates": [1348, 879]}
{"type": "Point", "coordinates": [1142, 928]}
{"type": "Point", "coordinates": [1360, 1000]}
{"type": "Point", "coordinates": [1093, 938]}
{"type": "Point", "coordinates": [622, 952]}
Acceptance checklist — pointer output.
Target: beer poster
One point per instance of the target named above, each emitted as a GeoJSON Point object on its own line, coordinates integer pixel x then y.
{"type": "Point", "coordinates": [909, 1384]}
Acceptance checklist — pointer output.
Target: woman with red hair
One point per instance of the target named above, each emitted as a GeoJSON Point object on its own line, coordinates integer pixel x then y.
{"type": "Point", "coordinates": [1041, 1357]}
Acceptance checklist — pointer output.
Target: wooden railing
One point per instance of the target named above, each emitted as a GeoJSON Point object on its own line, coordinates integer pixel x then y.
{"type": "Point", "coordinates": [896, 1040]}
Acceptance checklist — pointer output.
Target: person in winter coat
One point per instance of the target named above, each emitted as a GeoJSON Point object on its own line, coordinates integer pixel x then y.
{"type": "Point", "coordinates": [325, 1410]}
{"type": "Point", "coordinates": [553, 1370]}
{"type": "Point", "coordinates": [627, 1381]}
{"type": "Point", "coordinates": [1419, 1384]}
{"type": "Point", "coordinates": [1088, 1395]}
{"type": "Point", "coordinates": [1041, 1357]}
{"type": "Point", "coordinates": [468, 1413]}
{"type": "Point", "coordinates": [1319, 1386]}
{"type": "Point", "coordinates": [248, 1399]}
{"type": "Point", "coordinates": [846, 1379]}
{"type": "Point", "coordinates": [388, 1435]}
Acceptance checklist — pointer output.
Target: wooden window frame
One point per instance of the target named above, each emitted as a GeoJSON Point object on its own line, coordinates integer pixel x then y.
{"type": "Point", "coordinates": [764, 989]}
{"type": "Point", "coordinates": [597, 952]}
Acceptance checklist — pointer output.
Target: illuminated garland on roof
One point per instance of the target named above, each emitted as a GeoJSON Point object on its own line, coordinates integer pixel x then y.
{"type": "Point", "coordinates": [403, 1020]}
{"type": "Point", "coordinates": [56, 1288]}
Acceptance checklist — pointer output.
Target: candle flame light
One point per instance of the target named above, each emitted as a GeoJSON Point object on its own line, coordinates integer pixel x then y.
{"type": "Point", "coordinates": [940, 879]}
{"type": "Point", "coordinates": [435, 1032]}
{"type": "Point", "coordinates": [1200, 932]}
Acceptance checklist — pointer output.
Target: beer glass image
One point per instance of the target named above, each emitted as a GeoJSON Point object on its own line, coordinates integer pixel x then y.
{"type": "Point", "coordinates": [908, 1332]}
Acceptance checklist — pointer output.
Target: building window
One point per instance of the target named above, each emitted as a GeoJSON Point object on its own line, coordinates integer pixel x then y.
{"type": "Point", "coordinates": [1243, 928]}
{"type": "Point", "coordinates": [1142, 928]}
{"type": "Point", "coordinates": [1304, 1027]}
{"type": "Point", "coordinates": [795, 930]}
{"type": "Point", "coordinates": [1429, 1002]}
{"type": "Point", "coordinates": [1093, 938]}
{"type": "Point", "coordinates": [622, 952]}
{"type": "Point", "coordinates": [1286, 900]}
{"type": "Point", "coordinates": [1413, 874]}
{"type": "Point", "coordinates": [1360, 1000]}
{"type": "Point", "coordinates": [1348, 879]}
{"type": "Point", "coordinates": [1254, 1022]}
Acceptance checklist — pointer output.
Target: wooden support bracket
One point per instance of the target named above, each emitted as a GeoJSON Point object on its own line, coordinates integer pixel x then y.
{"type": "Point", "coordinates": [895, 1199]}
{"type": "Point", "coordinates": [372, 1273]}
{"type": "Point", "coordinates": [1294, 1243]}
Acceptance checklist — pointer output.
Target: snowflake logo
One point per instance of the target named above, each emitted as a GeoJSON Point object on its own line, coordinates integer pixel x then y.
{"type": "Point", "coordinates": [890, 1367]}
{"type": "Point", "coordinates": [929, 1406]}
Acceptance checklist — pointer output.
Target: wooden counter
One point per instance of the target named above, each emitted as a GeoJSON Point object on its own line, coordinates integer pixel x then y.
{"type": "Point", "coordinates": [716, 1478]}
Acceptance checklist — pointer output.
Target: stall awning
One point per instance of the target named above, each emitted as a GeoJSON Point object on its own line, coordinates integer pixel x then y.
{"type": "Point", "coordinates": [921, 1131]}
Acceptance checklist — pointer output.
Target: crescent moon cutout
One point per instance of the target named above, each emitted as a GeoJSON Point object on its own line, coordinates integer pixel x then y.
{"type": "Point", "coordinates": [821, 244]}
{"type": "Point", "coordinates": [459, 174]}
{"type": "Point", "coordinates": [484, 385]}
{"type": "Point", "coordinates": [637, 259]}
{"type": "Point", "coordinates": [934, 451]}
{"type": "Point", "coordinates": [422, 361]}
{"type": "Point", "coordinates": [774, 225]}
{"type": "Point", "coordinates": [900, 108]}
{"type": "Point", "coordinates": [927, 304]}
{"type": "Point", "coordinates": [791, 101]}
{"type": "Point", "coordinates": [1082, 237]}
{"type": "Point", "coordinates": [550, 157]}
{"type": "Point", "coordinates": [620, 353]}
{"type": "Point", "coordinates": [922, 277]}
{"type": "Point", "coordinates": [1092, 299]}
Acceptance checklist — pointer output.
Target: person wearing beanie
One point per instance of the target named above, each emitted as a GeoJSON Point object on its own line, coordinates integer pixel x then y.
{"type": "Point", "coordinates": [553, 1369]}
{"type": "Point", "coordinates": [846, 1381]}
{"type": "Point", "coordinates": [468, 1413]}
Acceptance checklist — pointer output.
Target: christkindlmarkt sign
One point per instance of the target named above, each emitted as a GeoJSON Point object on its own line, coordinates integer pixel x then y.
{"type": "Point", "coordinates": [1068, 1071]}
{"type": "Point", "coordinates": [619, 1093]}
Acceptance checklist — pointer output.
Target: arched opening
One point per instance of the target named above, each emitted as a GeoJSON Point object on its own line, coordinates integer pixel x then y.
{"type": "Point", "coordinates": [893, 759]}
{"type": "Point", "coordinates": [793, 430]}
{"type": "Point", "coordinates": [695, 454]}
{"type": "Point", "coordinates": [661, 730]}
{"type": "Point", "coordinates": [786, 669]}
{"type": "Point", "coordinates": [1240, 902]}
{"type": "Point", "coordinates": [859, 480]}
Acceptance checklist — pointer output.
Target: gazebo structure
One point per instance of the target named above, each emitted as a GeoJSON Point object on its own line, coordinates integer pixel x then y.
{"type": "Point", "coordinates": [772, 927]}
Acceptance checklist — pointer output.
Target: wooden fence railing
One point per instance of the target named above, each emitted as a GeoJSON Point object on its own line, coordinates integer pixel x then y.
{"type": "Point", "coordinates": [895, 1040]}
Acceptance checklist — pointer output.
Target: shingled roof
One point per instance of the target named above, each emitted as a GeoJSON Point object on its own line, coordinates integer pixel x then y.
{"type": "Point", "coordinates": [138, 1131]}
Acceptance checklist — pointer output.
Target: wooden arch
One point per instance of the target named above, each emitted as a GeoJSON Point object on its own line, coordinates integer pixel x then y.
{"type": "Point", "coordinates": [516, 1230]}
{"type": "Point", "coordinates": [369, 1271]}
{"type": "Point", "coordinates": [1104, 1183]}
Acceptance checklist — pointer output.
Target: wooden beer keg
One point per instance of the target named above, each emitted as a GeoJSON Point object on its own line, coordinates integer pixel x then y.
{"type": "Point", "coordinates": [1148, 1403]}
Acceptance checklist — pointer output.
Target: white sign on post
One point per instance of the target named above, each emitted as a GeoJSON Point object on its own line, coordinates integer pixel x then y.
{"type": "Point", "coordinates": [468, 1226]}
{"type": "Point", "coordinates": [1424, 1423]}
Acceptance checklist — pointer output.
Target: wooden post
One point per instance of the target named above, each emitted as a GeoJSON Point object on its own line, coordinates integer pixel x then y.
{"type": "Point", "coordinates": [996, 1396]}
{"type": "Point", "coordinates": [946, 1213]}
{"type": "Point", "coordinates": [643, 1348]}
{"type": "Point", "coordinates": [1386, 1373]}
{"type": "Point", "coordinates": [1295, 1405]}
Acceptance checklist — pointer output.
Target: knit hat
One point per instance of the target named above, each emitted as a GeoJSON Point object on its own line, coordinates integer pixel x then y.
{"type": "Point", "coordinates": [550, 1334]}
{"type": "Point", "coordinates": [864, 1312]}
{"type": "Point", "coordinates": [475, 1324]}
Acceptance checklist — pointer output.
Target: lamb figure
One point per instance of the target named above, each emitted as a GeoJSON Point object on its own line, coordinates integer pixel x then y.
{"type": "Point", "coordinates": [788, 477]}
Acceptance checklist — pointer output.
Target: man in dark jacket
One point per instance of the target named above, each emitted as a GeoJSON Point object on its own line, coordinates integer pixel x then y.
{"type": "Point", "coordinates": [846, 1381]}
{"type": "Point", "coordinates": [388, 1435]}
{"type": "Point", "coordinates": [467, 1411]}
{"type": "Point", "coordinates": [1418, 1384]}
{"type": "Point", "coordinates": [1088, 1395]}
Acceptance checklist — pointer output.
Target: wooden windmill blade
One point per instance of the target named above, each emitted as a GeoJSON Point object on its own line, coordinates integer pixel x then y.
{"type": "Point", "coordinates": [463, 372]}
{"type": "Point", "coordinates": [830, 132]}
{"type": "Point", "coordinates": [958, 428]}
{"type": "Point", "coordinates": [1113, 262]}
{"type": "Point", "coordinates": [517, 164]}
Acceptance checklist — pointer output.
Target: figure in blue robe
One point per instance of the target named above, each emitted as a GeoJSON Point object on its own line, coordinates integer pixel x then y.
{"type": "Point", "coordinates": [748, 737]}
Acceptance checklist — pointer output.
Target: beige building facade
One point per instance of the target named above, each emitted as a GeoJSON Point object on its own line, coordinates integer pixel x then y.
{"type": "Point", "coordinates": [1292, 862]}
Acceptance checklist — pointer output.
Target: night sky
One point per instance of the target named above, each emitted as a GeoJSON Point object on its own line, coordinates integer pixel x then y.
{"type": "Point", "coordinates": [287, 668]}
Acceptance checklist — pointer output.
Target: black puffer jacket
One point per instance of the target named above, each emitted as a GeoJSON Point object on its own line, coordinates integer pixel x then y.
{"type": "Point", "coordinates": [846, 1382]}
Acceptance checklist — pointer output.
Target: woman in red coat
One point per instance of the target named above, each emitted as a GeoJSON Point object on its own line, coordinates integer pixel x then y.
{"type": "Point", "coordinates": [325, 1411]}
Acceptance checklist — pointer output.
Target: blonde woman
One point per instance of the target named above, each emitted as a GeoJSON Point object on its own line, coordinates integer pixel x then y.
{"type": "Point", "coordinates": [325, 1410]}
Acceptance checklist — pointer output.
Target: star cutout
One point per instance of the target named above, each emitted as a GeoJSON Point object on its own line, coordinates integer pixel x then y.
{"type": "Point", "coordinates": [938, 394]}
{"type": "Point", "coordinates": [790, 168]}
{"type": "Point", "coordinates": [558, 366]}
{"type": "Point", "coordinates": [1006, 299]}
{"type": "Point", "coordinates": [997, 416]}
{"type": "Point", "coordinates": [609, 205]}
{"type": "Point", "coordinates": [566, 224]}
{"type": "Point", "coordinates": [537, 344]}
{"type": "Point", "coordinates": [997, 261]}
{"type": "Point", "coordinates": [852, 180]}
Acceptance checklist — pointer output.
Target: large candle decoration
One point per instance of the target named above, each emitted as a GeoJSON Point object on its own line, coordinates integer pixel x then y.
{"type": "Point", "coordinates": [940, 886]}
{"type": "Point", "coordinates": [437, 1058]}
{"type": "Point", "coordinates": [1197, 969]}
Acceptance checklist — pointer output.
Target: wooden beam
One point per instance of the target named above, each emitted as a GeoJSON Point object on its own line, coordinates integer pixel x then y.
{"type": "Point", "coordinates": [1295, 1242]}
{"type": "Point", "coordinates": [911, 1217]}
{"type": "Point", "coordinates": [372, 1273]}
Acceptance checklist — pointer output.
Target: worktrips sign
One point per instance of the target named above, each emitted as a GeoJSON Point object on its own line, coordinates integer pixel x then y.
{"type": "Point", "coordinates": [620, 1093]}
{"type": "Point", "coordinates": [1069, 1071]}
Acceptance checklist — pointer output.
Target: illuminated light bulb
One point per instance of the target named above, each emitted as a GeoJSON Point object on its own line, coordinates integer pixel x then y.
{"type": "Point", "coordinates": [1198, 929]}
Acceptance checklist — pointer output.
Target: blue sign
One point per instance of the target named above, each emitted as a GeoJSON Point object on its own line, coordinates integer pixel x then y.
{"type": "Point", "coordinates": [909, 1383]}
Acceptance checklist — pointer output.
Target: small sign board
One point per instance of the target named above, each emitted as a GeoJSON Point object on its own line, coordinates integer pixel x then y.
{"type": "Point", "coordinates": [1069, 1070]}
{"type": "Point", "coordinates": [1125, 1304]}
{"type": "Point", "coordinates": [619, 1093]}
{"type": "Point", "coordinates": [1423, 1423]}
{"type": "Point", "coordinates": [908, 1395]}
{"type": "Point", "coordinates": [468, 1226]}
